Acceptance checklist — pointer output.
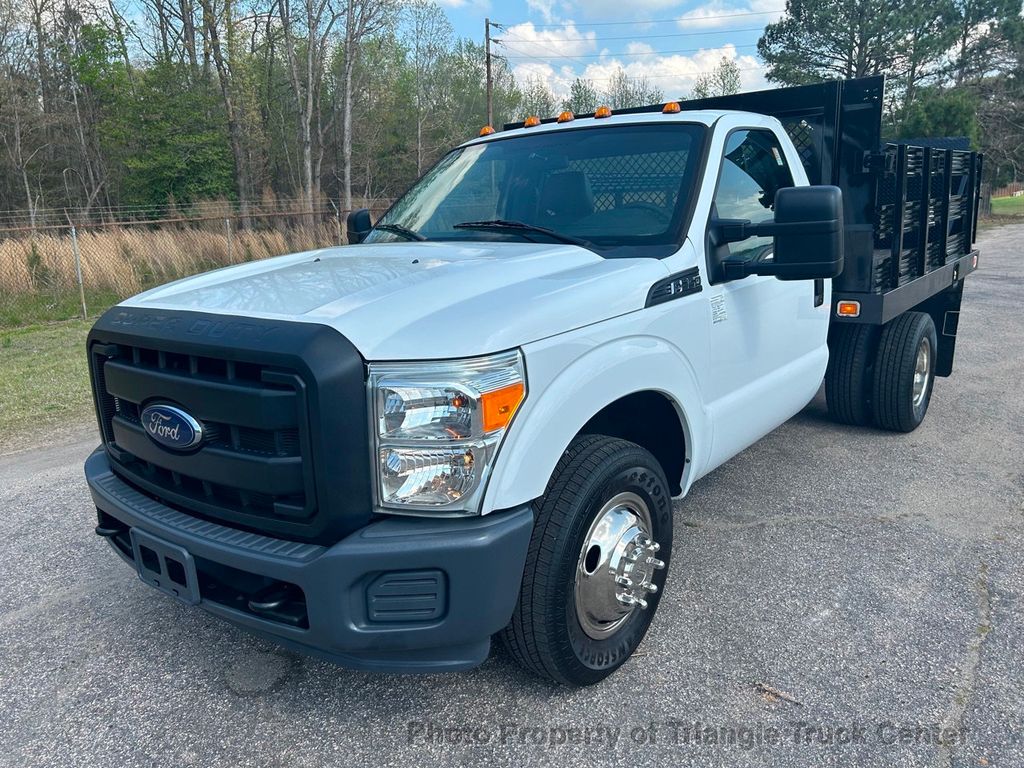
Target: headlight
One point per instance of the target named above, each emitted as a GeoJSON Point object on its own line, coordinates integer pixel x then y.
{"type": "Point", "coordinates": [437, 427]}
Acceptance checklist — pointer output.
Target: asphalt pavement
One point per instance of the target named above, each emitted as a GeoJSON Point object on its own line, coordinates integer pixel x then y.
{"type": "Point", "coordinates": [837, 596]}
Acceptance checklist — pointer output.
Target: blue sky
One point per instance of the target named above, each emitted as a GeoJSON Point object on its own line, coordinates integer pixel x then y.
{"type": "Point", "coordinates": [671, 43]}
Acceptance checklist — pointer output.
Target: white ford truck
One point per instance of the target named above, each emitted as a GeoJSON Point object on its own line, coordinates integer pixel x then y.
{"type": "Point", "coordinates": [472, 421]}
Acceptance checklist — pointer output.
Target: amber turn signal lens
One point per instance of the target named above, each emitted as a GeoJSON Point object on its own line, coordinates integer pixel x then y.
{"type": "Point", "coordinates": [486, 130]}
{"type": "Point", "coordinates": [498, 407]}
{"type": "Point", "coordinates": [671, 108]}
{"type": "Point", "coordinates": [848, 309]}
{"type": "Point", "coordinates": [603, 112]}
{"type": "Point", "coordinates": [566, 116]}
{"type": "Point", "coordinates": [531, 121]}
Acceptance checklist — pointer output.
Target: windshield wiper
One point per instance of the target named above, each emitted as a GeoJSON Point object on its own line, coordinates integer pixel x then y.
{"type": "Point", "coordinates": [502, 225]}
{"type": "Point", "coordinates": [398, 229]}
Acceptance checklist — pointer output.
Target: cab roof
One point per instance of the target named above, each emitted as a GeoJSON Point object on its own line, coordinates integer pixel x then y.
{"type": "Point", "coordinates": [705, 117]}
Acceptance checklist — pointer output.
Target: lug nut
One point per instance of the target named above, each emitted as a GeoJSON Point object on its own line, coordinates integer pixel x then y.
{"type": "Point", "coordinates": [652, 588]}
{"type": "Point", "coordinates": [624, 581]}
{"type": "Point", "coordinates": [656, 562]}
{"type": "Point", "coordinates": [655, 546]}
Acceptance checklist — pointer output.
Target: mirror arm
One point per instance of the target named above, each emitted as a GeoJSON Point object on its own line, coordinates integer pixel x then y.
{"type": "Point", "coordinates": [737, 269]}
{"type": "Point", "coordinates": [723, 231]}
{"type": "Point", "coordinates": [772, 228]}
{"type": "Point", "coordinates": [737, 230]}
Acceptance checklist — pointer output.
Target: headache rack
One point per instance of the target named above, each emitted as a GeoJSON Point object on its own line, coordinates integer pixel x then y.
{"type": "Point", "coordinates": [910, 207]}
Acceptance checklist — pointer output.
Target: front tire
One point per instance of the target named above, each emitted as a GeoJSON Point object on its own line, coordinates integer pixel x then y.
{"type": "Point", "coordinates": [596, 565]}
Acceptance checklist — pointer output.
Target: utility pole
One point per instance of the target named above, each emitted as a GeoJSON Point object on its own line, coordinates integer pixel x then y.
{"type": "Point", "coordinates": [490, 79]}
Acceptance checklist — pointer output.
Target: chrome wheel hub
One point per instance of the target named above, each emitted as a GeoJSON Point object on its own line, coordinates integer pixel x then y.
{"type": "Point", "coordinates": [615, 573]}
{"type": "Point", "coordinates": [921, 368]}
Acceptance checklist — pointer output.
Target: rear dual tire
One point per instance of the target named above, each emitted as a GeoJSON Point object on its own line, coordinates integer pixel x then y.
{"type": "Point", "coordinates": [882, 376]}
{"type": "Point", "coordinates": [904, 372]}
{"type": "Point", "coordinates": [851, 363]}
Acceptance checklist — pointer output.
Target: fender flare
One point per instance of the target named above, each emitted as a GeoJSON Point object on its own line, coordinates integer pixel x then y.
{"type": "Point", "coordinates": [555, 412]}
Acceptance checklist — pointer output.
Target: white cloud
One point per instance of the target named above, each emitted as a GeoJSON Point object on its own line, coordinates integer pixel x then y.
{"type": "Point", "coordinates": [605, 8]}
{"type": "Point", "coordinates": [636, 48]}
{"type": "Point", "coordinates": [724, 14]}
{"type": "Point", "coordinates": [675, 74]}
{"type": "Point", "coordinates": [481, 5]}
{"type": "Point", "coordinates": [546, 9]}
{"type": "Point", "coordinates": [526, 40]}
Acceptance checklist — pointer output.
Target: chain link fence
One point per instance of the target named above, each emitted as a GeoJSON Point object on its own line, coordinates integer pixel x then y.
{"type": "Point", "coordinates": [57, 272]}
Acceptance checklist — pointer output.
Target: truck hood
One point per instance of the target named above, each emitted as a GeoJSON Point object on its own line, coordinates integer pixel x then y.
{"type": "Point", "coordinates": [406, 301]}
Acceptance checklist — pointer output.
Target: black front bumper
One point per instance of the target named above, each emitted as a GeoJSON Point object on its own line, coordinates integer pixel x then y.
{"type": "Point", "coordinates": [401, 594]}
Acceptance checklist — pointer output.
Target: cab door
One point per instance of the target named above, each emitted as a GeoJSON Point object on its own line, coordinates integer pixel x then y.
{"type": "Point", "coordinates": [767, 336]}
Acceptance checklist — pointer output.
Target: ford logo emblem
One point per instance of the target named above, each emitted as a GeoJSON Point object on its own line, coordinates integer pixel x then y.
{"type": "Point", "coordinates": [171, 427]}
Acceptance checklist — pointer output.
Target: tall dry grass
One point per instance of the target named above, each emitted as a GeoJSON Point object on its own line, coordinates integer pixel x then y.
{"type": "Point", "coordinates": [125, 260]}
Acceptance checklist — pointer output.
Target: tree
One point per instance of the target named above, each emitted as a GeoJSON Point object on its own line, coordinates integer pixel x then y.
{"type": "Point", "coordinates": [538, 99]}
{"type": "Point", "coordinates": [583, 97]}
{"type": "Point", "coordinates": [1001, 107]}
{"type": "Point", "coordinates": [723, 80]}
{"type": "Point", "coordinates": [21, 142]}
{"type": "Point", "coordinates": [462, 78]}
{"type": "Point", "coordinates": [624, 92]}
{"type": "Point", "coordinates": [95, 75]}
{"type": "Point", "coordinates": [107, 103]}
{"type": "Point", "coordinates": [165, 161]}
{"type": "Point", "coordinates": [363, 18]}
{"type": "Point", "coordinates": [941, 112]}
{"type": "Point", "coordinates": [979, 27]}
{"type": "Point", "coordinates": [228, 97]}
{"type": "Point", "coordinates": [431, 35]}
{"type": "Point", "coordinates": [822, 39]}
{"type": "Point", "coordinates": [306, 36]}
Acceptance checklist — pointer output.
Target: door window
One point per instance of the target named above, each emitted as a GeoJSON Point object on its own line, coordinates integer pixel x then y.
{"type": "Point", "coordinates": [753, 170]}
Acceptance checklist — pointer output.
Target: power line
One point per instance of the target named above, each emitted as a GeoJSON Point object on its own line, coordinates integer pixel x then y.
{"type": "Point", "coordinates": [617, 53]}
{"type": "Point", "coordinates": [676, 74]}
{"type": "Point", "coordinates": [583, 39]}
{"type": "Point", "coordinates": [540, 44]}
{"type": "Point", "coordinates": [658, 21]}
{"type": "Point", "coordinates": [670, 75]}
{"type": "Point", "coordinates": [578, 58]}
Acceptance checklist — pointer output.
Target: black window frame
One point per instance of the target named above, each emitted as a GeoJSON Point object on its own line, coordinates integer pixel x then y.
{"type": "Point", "coordinates": [715, 255]}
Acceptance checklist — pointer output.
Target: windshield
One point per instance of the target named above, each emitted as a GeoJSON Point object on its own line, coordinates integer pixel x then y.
{"type": "Point", "coordinates": [619, 190]}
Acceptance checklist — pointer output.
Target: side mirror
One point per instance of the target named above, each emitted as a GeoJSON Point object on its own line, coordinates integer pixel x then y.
{"type": "Point", "coordinates": [358, 225]}
{"type": "Point", "coordinates": [808, 232]}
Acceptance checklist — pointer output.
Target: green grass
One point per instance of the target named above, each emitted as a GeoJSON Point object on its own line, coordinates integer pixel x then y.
{"type": "Point", "coordinates": [37, 308]}
{"type": "Point", "coordinates": [1008, 206]}
{"type": "Point", "coordinates": [43, 382]}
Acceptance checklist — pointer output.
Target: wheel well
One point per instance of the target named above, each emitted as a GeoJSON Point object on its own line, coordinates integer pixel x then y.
{"type": "Point", "coordinates": [648, 419]}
